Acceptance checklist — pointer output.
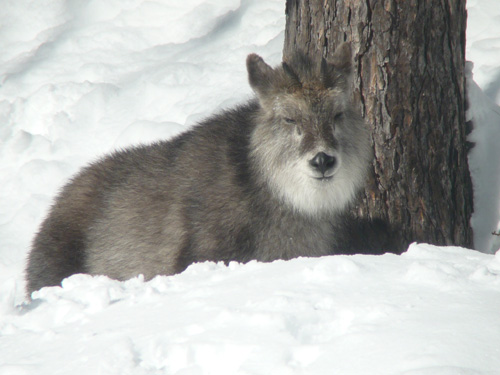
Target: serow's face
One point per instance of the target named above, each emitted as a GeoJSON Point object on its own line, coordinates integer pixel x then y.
{"type": "Point", "coordinates": [311, 145]}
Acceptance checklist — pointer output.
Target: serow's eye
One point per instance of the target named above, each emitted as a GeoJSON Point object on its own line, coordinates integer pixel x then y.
{"type": "Point", "coordinates": [290, 120]}
{"type": "Point", "coordinates": [338, 116]}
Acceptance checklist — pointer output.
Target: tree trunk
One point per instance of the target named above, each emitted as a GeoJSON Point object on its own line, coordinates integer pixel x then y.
{"type": "Point", "coordinates": [410, 84]}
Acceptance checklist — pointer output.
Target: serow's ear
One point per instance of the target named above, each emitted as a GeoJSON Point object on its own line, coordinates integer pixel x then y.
{"type": "Point", "coordinates": [338, 71]}
{"type": "Point", "coordinates": [260, 75]}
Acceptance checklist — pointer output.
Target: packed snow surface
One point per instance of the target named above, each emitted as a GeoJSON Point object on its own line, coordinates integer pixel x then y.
{"type": "Point", "coordinates": [79, 79]}
{"type": "Point", "coordinates": [430, 311]}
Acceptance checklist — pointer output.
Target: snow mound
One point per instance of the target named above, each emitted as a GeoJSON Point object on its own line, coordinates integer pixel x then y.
{"type": "Point", "coordinates": [432, 310]}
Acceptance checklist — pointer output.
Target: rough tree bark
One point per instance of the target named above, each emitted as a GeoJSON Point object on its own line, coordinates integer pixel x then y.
{"type": "Point", "coordinates": [410, 84]}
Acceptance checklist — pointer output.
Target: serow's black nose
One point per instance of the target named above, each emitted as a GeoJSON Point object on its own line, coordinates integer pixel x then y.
{"type": "Point", "coordinates": [323, 162]}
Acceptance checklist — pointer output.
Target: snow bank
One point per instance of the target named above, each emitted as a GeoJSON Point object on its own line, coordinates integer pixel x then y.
{"type": "Point", "coordinates": [430, 311]}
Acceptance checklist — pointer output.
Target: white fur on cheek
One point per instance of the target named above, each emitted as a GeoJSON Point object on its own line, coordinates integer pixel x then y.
{"type": "Point", "coordinates": [290, 177]}
{"type": "Point", "coordinates": [310, 196]}
{"type": "Point", "coordinates": [291, 182]}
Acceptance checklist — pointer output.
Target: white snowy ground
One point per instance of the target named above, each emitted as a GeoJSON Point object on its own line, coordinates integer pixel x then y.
{"type": "Point", "coordinates": [80, 78]}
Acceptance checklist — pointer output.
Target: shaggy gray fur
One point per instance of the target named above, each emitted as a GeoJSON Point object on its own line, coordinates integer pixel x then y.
{"type": "Point", "coordinates": [267, 180]}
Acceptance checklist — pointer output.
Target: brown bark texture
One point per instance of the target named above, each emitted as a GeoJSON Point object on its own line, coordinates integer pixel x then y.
{"type": "Point", "coordinates": [409, 58]}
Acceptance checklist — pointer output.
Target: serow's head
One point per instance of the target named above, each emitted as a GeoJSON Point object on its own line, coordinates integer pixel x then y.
{"type": "Point", "coordinates": [310, 143]}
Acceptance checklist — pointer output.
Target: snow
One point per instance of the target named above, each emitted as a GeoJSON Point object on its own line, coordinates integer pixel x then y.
{"type": "Point", "coordinates": [484, 164]}
{"type": "Point", "coordinates": [79, 79]}
{"type": "Point", "coordinates": [430, 311]}
{"type": "Point", "coordinates": [483, 85]}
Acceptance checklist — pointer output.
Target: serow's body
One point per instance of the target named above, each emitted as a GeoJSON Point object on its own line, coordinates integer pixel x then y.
{"type": "Point", "coordinates": [267, 180]}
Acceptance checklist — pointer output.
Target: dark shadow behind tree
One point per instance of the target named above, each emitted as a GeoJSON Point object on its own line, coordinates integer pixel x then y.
{"type": "Point", "coordinates": [409, 81]}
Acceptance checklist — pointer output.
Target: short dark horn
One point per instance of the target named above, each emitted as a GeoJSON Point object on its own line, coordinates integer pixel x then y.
{"type": "Point", "coordinates": [326, 74]}
{"type": "Point", "coordinates": [291, 74]}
